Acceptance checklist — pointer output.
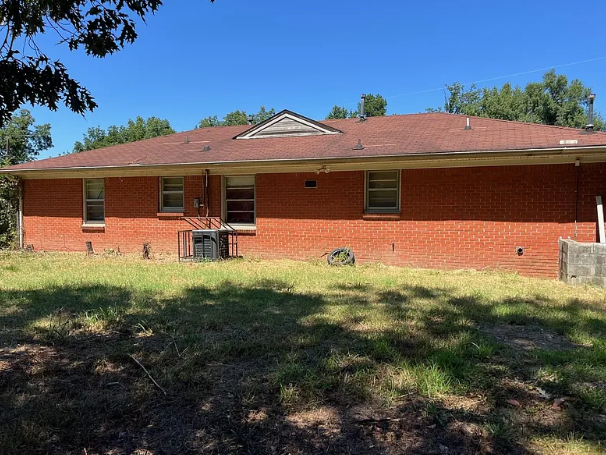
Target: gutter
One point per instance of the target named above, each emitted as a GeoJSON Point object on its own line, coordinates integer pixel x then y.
{"type": "Point", "coordinates": [444, 157]}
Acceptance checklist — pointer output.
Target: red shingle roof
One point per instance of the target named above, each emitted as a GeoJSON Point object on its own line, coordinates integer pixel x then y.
{"type": "Point", "coordinates": [396, 135]}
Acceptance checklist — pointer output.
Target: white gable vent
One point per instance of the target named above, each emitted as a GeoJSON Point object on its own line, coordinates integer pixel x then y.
{"type": "Point", "coordinates": [287, 124]}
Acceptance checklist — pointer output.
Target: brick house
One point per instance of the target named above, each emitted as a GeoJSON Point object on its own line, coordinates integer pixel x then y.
{"type": "Point", "coordinates": [429, 190]}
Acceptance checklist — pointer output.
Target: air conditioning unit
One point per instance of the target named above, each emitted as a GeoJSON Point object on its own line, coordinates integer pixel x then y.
{"type": "Point", "coordinates": [205, 244]}
{"type": "Point", "coordinates": [210, 244]}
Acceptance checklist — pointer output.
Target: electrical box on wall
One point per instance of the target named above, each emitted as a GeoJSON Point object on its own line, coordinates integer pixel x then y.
{"type": "Point", "coordinates": [196, 202]}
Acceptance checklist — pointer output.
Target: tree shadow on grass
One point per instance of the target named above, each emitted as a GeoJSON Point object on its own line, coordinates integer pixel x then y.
{"type": "Point", "coordinates": [524, 381]}
{"type": "Point", "coordinates": [57, 305]}
{"type": "Point", "coordinates": [265, 369]}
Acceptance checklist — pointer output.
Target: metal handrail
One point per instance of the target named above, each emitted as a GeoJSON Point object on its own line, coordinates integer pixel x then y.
{"type": "Point", "coordinates": [208, 222]}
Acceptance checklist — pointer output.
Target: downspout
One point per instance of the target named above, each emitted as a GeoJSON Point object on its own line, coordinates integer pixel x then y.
{"type": "Point", "coordinates": [577, 165]}
{"type": "Point", "coordinates": [20, 213]}
{"type": "Point", "coordinates": [206, 195]}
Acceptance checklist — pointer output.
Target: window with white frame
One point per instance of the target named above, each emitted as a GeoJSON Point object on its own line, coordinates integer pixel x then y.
{"type": "Point", "coordinates": [239, 206]}
{"type": "Point", "coordinates": [171, 194]}
{"type": "Point", "coordinates": [94, 201]}
{"type": "Point", "coordinates": [382, 191]}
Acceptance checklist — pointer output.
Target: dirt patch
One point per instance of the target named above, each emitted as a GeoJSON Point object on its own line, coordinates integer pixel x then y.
{"type": "Point", "coordinates": [476, 404]}
{"type": "Point", "coordinates": [30, 359]}
{"type": "Point", "coordinates": [325, 420]}
{"type": "Point", "coordinates": [528, 337]}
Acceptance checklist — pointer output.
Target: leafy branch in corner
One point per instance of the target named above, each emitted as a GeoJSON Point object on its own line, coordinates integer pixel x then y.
{"type": "Point", "coordinates": [29, 75]}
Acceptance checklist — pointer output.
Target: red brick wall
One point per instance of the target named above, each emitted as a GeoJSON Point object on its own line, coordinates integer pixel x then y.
{"type": "Point", "coordinates": [52, 215]}
{"type": "Point", "coordinates": [450, 218]}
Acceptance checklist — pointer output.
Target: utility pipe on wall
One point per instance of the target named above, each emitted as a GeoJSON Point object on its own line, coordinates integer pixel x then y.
{"type": "Point", "coordinates": [20, 214]}
{"type": "Point", "coordinates": [206, 195]}
{"type": "Point", "coordinates": [577, 165]}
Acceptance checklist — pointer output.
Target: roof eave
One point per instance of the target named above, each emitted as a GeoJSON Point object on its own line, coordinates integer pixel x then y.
{"type": "Point", "coordinates": [440, 159]}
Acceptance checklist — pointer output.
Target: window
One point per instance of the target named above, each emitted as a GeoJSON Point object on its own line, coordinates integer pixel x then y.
{"type": "Point", "coordinates": [382, 191]}
{"type": "Point", "coordinates": [239, 204]}
{"type": "Point", "coordinates": [94, 201]}
{"type": "Point", "coordinates": [171, 198]}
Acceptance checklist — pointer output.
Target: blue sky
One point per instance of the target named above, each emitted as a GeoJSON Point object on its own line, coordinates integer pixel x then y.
{"type": "Point", "coordinates": [194, 59]}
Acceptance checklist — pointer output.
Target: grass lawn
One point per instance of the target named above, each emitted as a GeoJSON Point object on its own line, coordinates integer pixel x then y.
{"type": "Point", "coordinates": [289, 357]}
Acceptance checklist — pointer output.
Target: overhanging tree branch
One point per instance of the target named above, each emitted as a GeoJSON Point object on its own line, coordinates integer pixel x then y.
{"type": "Point", "coordinates": [100, 27]}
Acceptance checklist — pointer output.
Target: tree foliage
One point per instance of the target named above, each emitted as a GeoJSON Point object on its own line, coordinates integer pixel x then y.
{"type": "Point", "coordinates": [374, 106]}
{"type": "Point", "coordinates": [29, 75]}
{"type": "Point", "coordinates": [340, 112]}
{"type": "Point", "coordinates": [552, 101]}
{"type": "Point", "coordinates": [234, 118]}
{"type": "Point", "coordinates": [263, 115]}
{"type": "Point", "coordinates": [134, 130]}
{"type": "Point", "coordinates": [9, 200]}
{"type": "Point", "coordinates": [237, 118]}
{"type": "Point", "coordinates": [25, 139]}
{"type": "Point", "coordinates": [209, 121]}
{"type": "Point", "coordinates": [21, 140]}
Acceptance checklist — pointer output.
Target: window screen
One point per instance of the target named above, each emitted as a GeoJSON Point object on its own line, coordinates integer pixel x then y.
{"type": "Point", "coordinates": [382, 190]}
{"type": "Point", "coordinates": [172, 194]}
{"type": "Point", "coordinates": [240, 199]}
{"type": "Point", "coordinates": [94, 201]}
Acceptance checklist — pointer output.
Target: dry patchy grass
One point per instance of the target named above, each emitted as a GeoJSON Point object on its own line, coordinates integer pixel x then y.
{"type": "Point", "coordinates": [291, 357]}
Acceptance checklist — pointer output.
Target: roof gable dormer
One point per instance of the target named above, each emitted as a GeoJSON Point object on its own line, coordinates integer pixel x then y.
{"type": "Point", "coordinates": [287, 124]}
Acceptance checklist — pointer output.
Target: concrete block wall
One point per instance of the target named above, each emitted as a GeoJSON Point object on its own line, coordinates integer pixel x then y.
{"type": "Point", "coordinates": [582, 263]}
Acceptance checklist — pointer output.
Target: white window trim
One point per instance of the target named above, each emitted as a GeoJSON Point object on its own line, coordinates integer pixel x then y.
{"type": "Point", "coordinates": [382, 210]}
{"type": "Point", "coordinates": [86, 222]}
{"type": "Point", "coordinates": [162, 192]}
{"type": "Point", "coordinates": [238, 226]}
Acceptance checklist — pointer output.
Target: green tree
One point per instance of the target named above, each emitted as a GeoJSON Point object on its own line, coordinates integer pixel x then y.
{"type": "Point", "coordinates": [263, 115]}
{"type": "Point", "coordinates": [134, 130]}
{"type": "Point", "coordinates": [94, 138]}
{"type": "Point", "coordinates": [375, 106]}
{"type": "Point", "coordinates": [25, 139]}
{"type": "Point", "coordinates": [209, 122]}
{"type": "Point", "coordinates": [21, 140]}
{"type": "Point", "coordinates": [140, 129]}
{"type": "Point", "coordinates": [237, 118]}
{"type": "Point", "coordinates": [339, 112]}
{"type": "Point", "coordinates": [28, 75]}
{"type": "Point", "coordinates": [9, 200]}
{"type": "Point", "coordinates": [552, 101]}
{"type": "Point", "coordinates": [461, 100]}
